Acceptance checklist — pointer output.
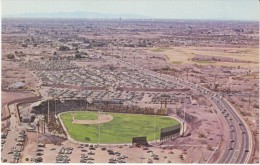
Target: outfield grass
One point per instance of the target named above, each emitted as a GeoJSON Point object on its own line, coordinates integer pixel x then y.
{"type": "Point", "coordinates": [120, 130]}
{"type": "Point", "coordinates": [86, 116]}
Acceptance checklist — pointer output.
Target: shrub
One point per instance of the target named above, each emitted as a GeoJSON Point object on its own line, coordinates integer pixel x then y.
{"type": "Point", "coordinates": [64, 48]}
{"type": "Point", "coordinates": [77, 55]}
{"type": "Point", "coordinates": [209, 147]}
{"type": "Point", "coordinates": [201, 135]}
{"type": "Point", "coordinates": [24, 45]}
{"type": "Point", "coordinates": [10, 56]}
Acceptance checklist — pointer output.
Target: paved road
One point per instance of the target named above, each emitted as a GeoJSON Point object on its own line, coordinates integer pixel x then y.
{"type": "Point", "coordinates": [12, 136]}
{"type": "Point", "coordinates": [240, 145]}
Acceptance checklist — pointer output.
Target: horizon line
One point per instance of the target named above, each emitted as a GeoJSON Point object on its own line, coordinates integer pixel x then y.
{"type": "Point", "coordinates": [120, 18]}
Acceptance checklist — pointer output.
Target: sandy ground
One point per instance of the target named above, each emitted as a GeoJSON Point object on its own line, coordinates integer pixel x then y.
{"type": "Point", "coordinates": [101, 119]}
{"type": "Point", "coordinates": [12, 72]}
{"type": "Point", "coordinates": [10, 96]}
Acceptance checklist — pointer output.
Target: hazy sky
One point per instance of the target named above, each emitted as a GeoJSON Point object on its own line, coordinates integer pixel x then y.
{"type": "Point", "coordinates": [168, 9]}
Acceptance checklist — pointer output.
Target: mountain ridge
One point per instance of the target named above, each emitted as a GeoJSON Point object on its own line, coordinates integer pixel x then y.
{"type": "Point", "coordinates": [80, 14]}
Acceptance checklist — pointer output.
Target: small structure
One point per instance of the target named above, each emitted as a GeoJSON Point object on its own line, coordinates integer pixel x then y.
{"type": "Point", "coordinates": [17, 85]}
{"type": "Point", "coordinates": [193, 102]}
{"type": "Point", "coordinates": [95, 57]}
{"type": "Point", "coordinates": [140, 141]}
{"type": "Point", "coordinates": [28, 118]}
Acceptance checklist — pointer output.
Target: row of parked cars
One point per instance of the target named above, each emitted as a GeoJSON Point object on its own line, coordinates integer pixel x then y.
{"type": "Point", "coordinates": [63, 156]}
{"type": "Point", "coordinates": [119, 157]}
{"type": "Point", "coordinates": [17, 149]}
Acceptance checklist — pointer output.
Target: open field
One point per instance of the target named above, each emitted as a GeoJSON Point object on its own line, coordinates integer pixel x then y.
{"type": "Point", "coordinates": [120, 130]}
{"type": "Point", "coordinates": [184, 55]}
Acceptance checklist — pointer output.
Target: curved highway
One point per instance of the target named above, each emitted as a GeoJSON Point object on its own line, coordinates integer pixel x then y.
{"type": "Point", "coordinates": [239, 147]}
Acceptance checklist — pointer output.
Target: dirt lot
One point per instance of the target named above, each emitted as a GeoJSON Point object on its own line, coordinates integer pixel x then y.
{"type": "Point", "coordinates": [10, 96]}
{"type": "Point", "coordinates": [12, 72]}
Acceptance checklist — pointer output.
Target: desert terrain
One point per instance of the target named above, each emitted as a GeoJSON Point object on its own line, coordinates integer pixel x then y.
{"type": "Point", "coordinates": [127, 62]}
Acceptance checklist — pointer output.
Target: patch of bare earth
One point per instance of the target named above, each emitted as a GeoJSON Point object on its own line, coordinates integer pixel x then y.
{"type": "Point", "coordinates": [101, 119]}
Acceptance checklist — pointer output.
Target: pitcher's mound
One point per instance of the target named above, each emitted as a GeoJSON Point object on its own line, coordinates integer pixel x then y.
{"type": "Point", "coordinates": [101, 119]}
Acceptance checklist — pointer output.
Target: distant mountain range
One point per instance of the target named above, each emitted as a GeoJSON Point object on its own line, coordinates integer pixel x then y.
{"type": "Point", "coordinates": [80, 14]}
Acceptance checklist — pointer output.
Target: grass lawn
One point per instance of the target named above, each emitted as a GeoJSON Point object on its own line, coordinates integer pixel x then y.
{"type": "Point", "coordinates": [120, 130]}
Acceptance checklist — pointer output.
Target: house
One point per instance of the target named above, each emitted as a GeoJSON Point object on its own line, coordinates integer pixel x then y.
{"type": "Point", "coordinates": [17, 85]}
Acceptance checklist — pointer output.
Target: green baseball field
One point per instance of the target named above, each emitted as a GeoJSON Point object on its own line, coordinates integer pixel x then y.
{"type": "Point", "coordinates": [121, 129]}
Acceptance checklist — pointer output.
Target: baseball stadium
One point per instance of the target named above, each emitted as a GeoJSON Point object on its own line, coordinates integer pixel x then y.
{"type": "Point", "coordinates": [105, 122]}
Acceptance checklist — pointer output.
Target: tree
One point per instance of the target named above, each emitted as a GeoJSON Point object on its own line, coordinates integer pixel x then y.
{"type": "Point", "coordinates": [64, 48]}
{"type": "Point", "coordinates": [10, 56]}
{"type": "Point", "coordinates": [54, 53]}
{"type": "Point", "coordinates": [216, 86]}
{"type": "Point", "coordinates": [77, 55]}
{"type": "Point", "coordinates": [24, 45]}
{"type": "Point", "coordinates": [38, 125]}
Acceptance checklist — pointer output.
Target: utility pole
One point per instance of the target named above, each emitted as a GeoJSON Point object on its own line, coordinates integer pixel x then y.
{"type": "Point", "coordinates": [249, 101]}
{"type": "Point", "coordinates": [43, 125]}
{"type": "Point", "coordinates": [154, 125]}
{"type": "Point", "coordinates": [184, 109]}
{"type": "Point", "coordinates": [99, 130]}
{"type": "Point", "coordinates": [55, 107]}
{"type": "Point", "coordinates": [48, 111]}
